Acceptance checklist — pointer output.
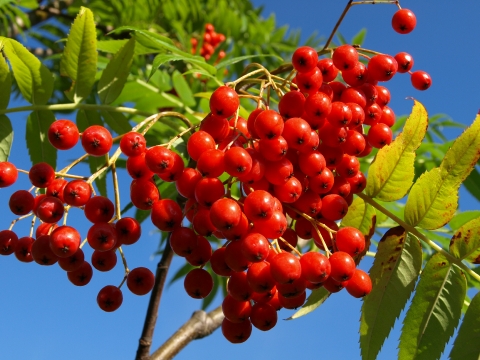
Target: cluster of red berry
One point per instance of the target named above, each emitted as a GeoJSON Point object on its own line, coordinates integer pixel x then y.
{"type": "Point", "coordinates": [62, 244]}
{"type": "Point", "coordinates": [297, 169]}
{"type": "Point", "coordinates": [211, 40]}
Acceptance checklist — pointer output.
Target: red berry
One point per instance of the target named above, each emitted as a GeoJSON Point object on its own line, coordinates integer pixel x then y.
{"type": "Point", "coordinates": [97, 140]}
{"type": "Point", "coordinates": [304, 59]}
{"type": "Point", "coordinates": [21, 202]}
{"type": "Point", "coordinates": [198, 283]}
{"type": "Point", "coordinates": [99, 209]}
{"type": "Point", "coordinates": [63, 134]}
{"type": "Point", "coordinates": [166, 214]}
{"type": "Point", "coordinates": [8, 242]}
{"type": "Point", "coordinates": [198, 143]}
{"type": "Point", "coordinates": [8, 174]}
{"type": "Point", "coordinates": [350, 240]}
{"type": "Point", "coordinates": [102, 236]}
{"type": "Point", "coordinates": [77, 193]}
{"type": "Point", "coordinates": [379, 135]}
{"type": "Point", "coordinates": [64, 241]}
{"type": "Point", "coordinates": [140, 281]}
{"type": "Point", "coordinates": [285, 268]}
{"type": "Point", "coordinates": [23, 249]}
{"type": "Point", "coordinates": [224, 102]}
{"type": "Point", "coordinates": [405, 62]}
{"type": "Point", "coordinates": [41, 251]}
{"type": "Point", "coordinates": [109, 298]}
{"type": "Point", "coordinates": [382, 67]}
{"type": "Point", "coordinates": [404, 21]}
{"type": "Point", "coordinates": [72, 262]}
{"type": "Point", "coordinates": [263, 316]}
{"type": "Point", "coordinates": [41, 175]}
{"type": "Point", "coordinates": [345, 57]}
{"type": "Point", "coordinates": [360, 284]}
{"type": "Point", "coordinates": [82, 275]}
{"type": "Point", "coordinates": [234, 310]}
{"type": "Point", "coordinates": [133, 144]}
{"type": "Point", "coordinates": [236, 333]}
{"type": "Point", "coordinates": [421, 80]}
{"type": "Point", "coordinates": [334, 207]}
{"type": "Point", "coordinates": [183, 241]}
{"type": "Point", "coordinates": [104, 260]}
{"type": "Point", "coordinates": [342, 266]}
{"type": "Point", "coordinates": [315, 267]}
{"type": "Point", "coordinates": [50, 209]}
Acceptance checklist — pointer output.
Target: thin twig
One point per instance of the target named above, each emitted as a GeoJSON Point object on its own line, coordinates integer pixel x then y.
{"type": "Point", "coordinates": [143, 351]}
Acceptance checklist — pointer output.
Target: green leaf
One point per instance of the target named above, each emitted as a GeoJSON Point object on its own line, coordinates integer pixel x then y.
{"type": "Point", "coordinates": [117, 121]}
{"type": "Point", "coordinates": [228, 62]}
{"type": "Point", "coordinates": [5, 83]}
{"type": "Point", "coordinates": [39, 148]}
{"type": "Point", "coordinates": [392, 171]}
{"type": "Point", "coordinates": [156, 41]}
{"type": "Point", "coordinates": [79, 59]}
{"type": "Point", "coordinates": [394, 272]}
{"type": "Point", "coordinates": [115, 74]}
{"type": "Point", "coordinates": [33, 78]}
{"type": "Point", "coordinates": [316, 298]}
{"type": "Point", "coordinates": [360, 215]}
{"type": "Point", "coordinates": [472, 183]}
{"type": "Point", "coordinates": [183, 89]}
{"type": "Point", "coordinates": [465, 243]}
{"type": "Point", "coordinates": [467, 343]}
{"type": "Point", "coordinates": [359, 38]}
{"type": "Point", "coordinates": [141, 215]}
{"type": "Point", "coordinates": [6, 137]}
{"type": "Point", "coordinates": [462, 218]}
{"type": "Point", "coordinates": [435, 310]}
{"type": "Point", "coordinates": [211, 296]}
{"type": "Point", "coordinates": [113, 46]}
{"type": "Point", "coordinates": [86, 118]}
{"type": "Point", "coordinates": [433, 199]}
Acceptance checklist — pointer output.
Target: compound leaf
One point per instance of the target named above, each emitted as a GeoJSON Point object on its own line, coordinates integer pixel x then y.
{"type": "Point", "coordinates": [39, 148]}
{"type": "Point", "coordinates": [316, 298]}
{"type": "Point", "coordinates": [79, 59]}
{"type": "Point", "coordinates": [465, 244]}
{"type": "Point", "coordinates": [115, 74]}
{"type": "Point", "coordinates": [33, 78]}
{"type": "Point", "coordinates": [435, 310]}
{"type": "Point", "coordinates": [6, 137]}
{"type": "Point", "coordinates": [392, 171]}
{"type": "Point", "coordinates": [467, 343]}
{"type": "Point", "coordinates": [394, 272]}
{"type": "Point", "coordinates": [433, 199]}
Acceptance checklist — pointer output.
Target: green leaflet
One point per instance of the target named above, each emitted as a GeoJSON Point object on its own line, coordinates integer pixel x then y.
{"type": "Point", "coordinates": [150, 39]}
{"type": "Point", "coordinates": [392, 171]}
{"type": "Point", "coordinates": [79, 59]}
{"type": "Point", "coordinates": [360, 215]}
{"type": "Point", "coordinates": [85, 119]}
{"type": "Point", "coordinates": [462, 218]}
{"type": "Point", "coordinates": [113, 46]}
{"type": "Point", "coordinates": [6, 137]}
{"type": "Point", "coordinates": [116, 121]}
{"type": "Point", "coordinates": [316, 298]}
{"type": "Point", "coordinates": [435, 310]}
{"type": "Point", "coordinates": [467, 343]}
{"type": "Point", "coordinates": [183, 89]}
{"type": "Point", "coordinates": [433, 199]}
{"type": "Point", "coordinates": [228, 62]}
{"type": "Point", "coordinates": [33, 78]}
{"type": "Point", "coordinates": [394, 272]}
{"type": "Point", "coordinates": [5, 82]}
{"type": "Point", "coordinates": [115, 74]}
{"type": "Point", "coordinates": [39, 148]}
{"type": "Point", "coordinates": [465, 243]}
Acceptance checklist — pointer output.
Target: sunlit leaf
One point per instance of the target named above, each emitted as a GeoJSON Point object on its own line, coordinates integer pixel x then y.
{"type": "Point", "coordinates": [394, 272]}
{"type": "Point", "coordinates": [33, 78]}
{"type": "Point", "coordinates": [435, 310]}
{"type": "Point", "coordinates": [183, 89]}
{"type": "Point", "coordinates": [360, 215]}
{"type": "Point", "coordinates": [433, 199]}
{"type": "Point", "coordinates": [115, 74]}
{"type": "Point", "coordinates": [79, 59]}
{"type": "Point", "coordinates": [465, 243]}
{"type": "Point", "coordinates": [472, 183]}
{"type": "Point", "coordinates": [116, 121]}
{"type": "Point", "coordinates": [462, 218]}
{"type": "Point", "coordinates": [392, 171]}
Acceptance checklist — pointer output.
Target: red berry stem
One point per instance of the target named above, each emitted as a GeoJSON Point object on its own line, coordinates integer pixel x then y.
{"type": "Point", "coordinates": [294, 249]}
{"type": "Point", "coordinates": [18, 219]}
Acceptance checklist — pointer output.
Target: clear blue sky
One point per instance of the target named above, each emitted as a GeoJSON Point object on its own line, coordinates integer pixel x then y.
{"type": "Point", "coordinates": [45, 317]}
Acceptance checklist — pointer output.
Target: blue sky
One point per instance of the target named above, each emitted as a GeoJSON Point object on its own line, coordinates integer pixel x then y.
{"type": "Point", "coordinates": [46, 317]}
